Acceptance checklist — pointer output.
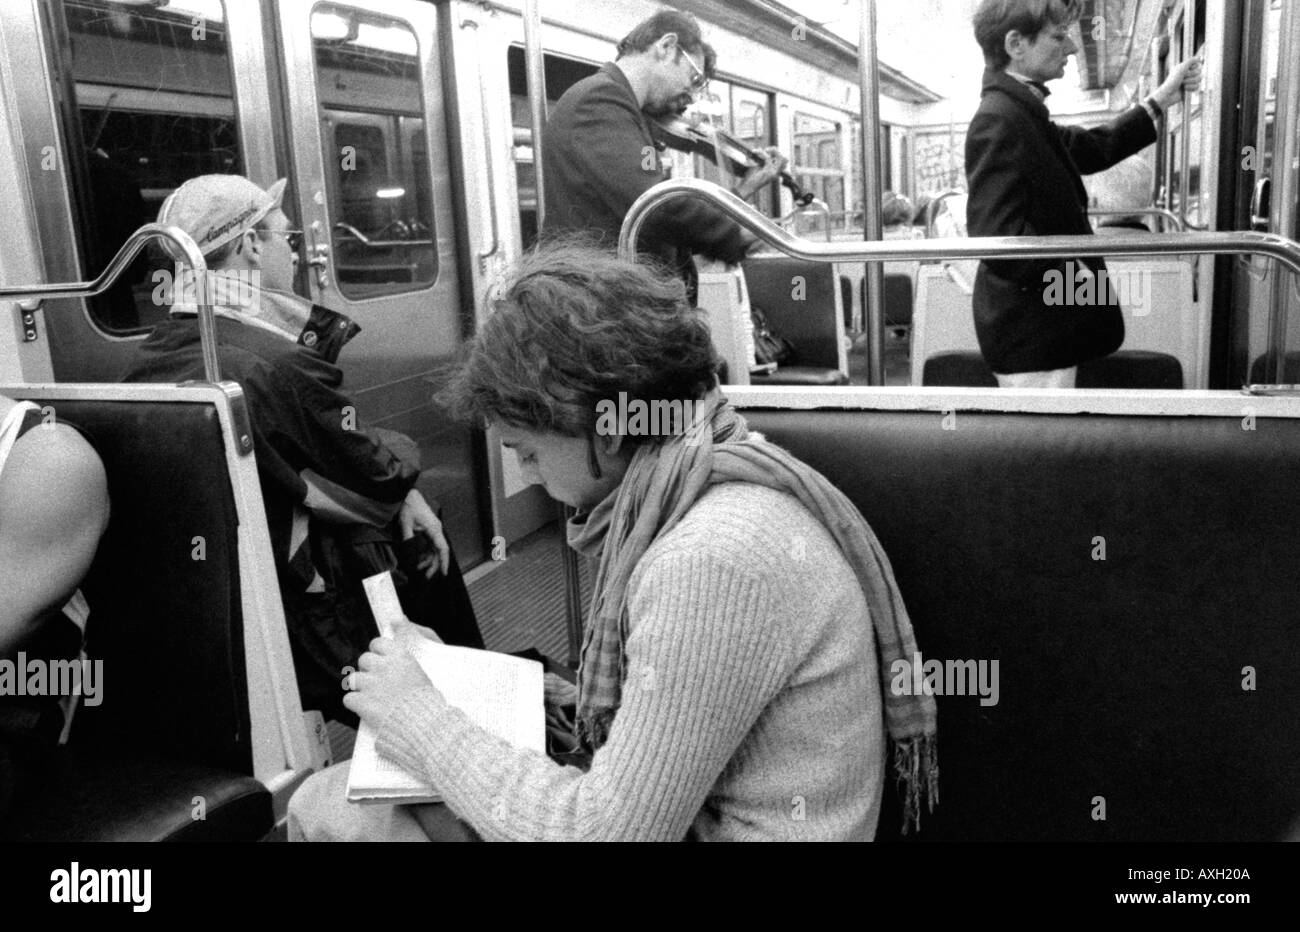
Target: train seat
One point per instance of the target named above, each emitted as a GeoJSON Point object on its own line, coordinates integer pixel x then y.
{"type": "Point", "coordinates": [1124, 369]}
{"type": "Point", "coordinates": [1290, 369]}
{"type": "Point", "coordinates": [801, 301]}
{"type": "Point", "coordinates": [1131, 576]}
{"type": "Point", "coordinates": [167, 753]}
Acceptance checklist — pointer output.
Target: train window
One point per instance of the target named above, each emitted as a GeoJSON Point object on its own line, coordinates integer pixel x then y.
{"type": "Point", "coordinates": [560, 74]}
{"type": "Point", "coordinates": [372, 130]}
{"type": "Point", "coordinates": [151, 104]}
{"type": "Point", "coordinates": [816, 159]}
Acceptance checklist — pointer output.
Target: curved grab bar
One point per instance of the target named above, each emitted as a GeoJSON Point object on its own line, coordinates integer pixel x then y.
{"type": "Point", "coordinates": [816, 205]}
{"type": "Point", "coordinates": [134, 243]}
{"type": "Point", "coordinates": [982, 247]}
{"type": "Point", "coordinates": [932, 210]}
{"type": "Point", "coordinates": [378, 243]}
{"type": "Point", "coordinates": [1168, 215]}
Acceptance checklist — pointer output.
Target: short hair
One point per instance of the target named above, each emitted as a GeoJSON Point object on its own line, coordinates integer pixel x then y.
{"type": "Point", "coordinates": [650, 31]}
{"type": "Point", "coordinates": [897, 209]}
{"type": "Point", "coordinates": [571, 326]}
{"type": "Point", "coordinates": [995, 18]}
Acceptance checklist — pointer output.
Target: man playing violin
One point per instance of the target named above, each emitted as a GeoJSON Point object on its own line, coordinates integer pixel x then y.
{"type": "Point", "coordinates": [600, 152]}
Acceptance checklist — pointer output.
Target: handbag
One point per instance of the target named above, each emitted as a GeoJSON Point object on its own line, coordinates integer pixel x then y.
{"type": "Point", "coordinates": [769, 347]}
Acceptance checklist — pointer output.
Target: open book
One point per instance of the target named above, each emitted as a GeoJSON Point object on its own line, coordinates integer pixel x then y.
{"type": "Point", "coordinates": [497, 692]}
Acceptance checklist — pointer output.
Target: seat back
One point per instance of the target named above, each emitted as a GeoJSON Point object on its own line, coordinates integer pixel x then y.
{"type": "Point", "coordinates": [164, 589]}
{"type": "Point", "coordinates": [898, 300]}
{"type": "Point", "coordinates": [1290, 369]}
{"type": "Point", "coordinates": [801, 301]}
{"type": "Point", "coordinates": [1124, 369]}
{"type": "Point", "coordinates": [1127, 573]}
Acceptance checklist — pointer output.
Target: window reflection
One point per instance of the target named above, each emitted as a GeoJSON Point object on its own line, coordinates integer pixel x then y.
{"type": "Point", "coordinates": [152, 105]}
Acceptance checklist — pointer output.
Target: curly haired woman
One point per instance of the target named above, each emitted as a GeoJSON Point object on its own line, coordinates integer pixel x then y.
{"type": "Point", "coordinates": [731, 677]}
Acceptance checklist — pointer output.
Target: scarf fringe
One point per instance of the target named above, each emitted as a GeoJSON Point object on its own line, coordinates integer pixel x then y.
{"type": "Point", "coordinates": [916, 773]}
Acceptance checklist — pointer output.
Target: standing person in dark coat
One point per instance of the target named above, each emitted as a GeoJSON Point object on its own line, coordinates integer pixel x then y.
{"type": "Point", "coordinates": [1023, 173]}
{"type": "Point", "coordinates": [599, 152]}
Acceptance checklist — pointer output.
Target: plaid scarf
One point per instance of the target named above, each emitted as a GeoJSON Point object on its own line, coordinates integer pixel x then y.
{"type": "Point", "coordinates": [662, 484]}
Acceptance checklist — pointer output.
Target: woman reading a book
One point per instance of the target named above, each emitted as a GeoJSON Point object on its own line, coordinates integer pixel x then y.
{"type": "Point", "coordinates": [744, 619]}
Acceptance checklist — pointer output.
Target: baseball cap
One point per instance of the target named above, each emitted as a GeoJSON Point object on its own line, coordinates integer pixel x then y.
{"type": "Point", "coordinates": [215, 209]}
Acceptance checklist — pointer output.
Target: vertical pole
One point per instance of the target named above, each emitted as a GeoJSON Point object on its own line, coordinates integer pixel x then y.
{"type": "Point", "coordinates": [869, 85]}
{"type": "Point", "coordinates": [536, 95]}
{"type": "Point", "coordinates": [1286, 182]}
{"type": "Point", "coordinates": [537, 111]}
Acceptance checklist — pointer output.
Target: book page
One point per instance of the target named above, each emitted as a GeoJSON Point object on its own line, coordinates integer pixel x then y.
{"type": "Point", "coordinates": [501, 694]}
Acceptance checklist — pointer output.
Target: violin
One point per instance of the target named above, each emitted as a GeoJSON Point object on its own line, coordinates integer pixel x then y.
{"type": "Point", "coordinates": [722, 149]}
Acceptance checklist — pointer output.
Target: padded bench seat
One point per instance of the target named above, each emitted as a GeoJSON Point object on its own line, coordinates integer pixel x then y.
{"type": "Point", "coordinates": [94, 796]}
{"type": "Point", "coordinates": [1120, 679]}
{"type": "Point", "coordinates": [166, 620]}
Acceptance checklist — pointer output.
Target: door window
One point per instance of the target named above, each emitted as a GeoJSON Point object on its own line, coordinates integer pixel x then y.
{"type": "Point", "coordinates": [376, 161]}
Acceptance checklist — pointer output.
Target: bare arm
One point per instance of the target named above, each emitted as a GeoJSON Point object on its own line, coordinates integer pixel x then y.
{"type": "Point", "coordinates": [53, 510]}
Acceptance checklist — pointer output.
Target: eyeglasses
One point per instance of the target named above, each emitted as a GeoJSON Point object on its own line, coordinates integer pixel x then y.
{"type": "Point", "coordinates": [293, 236]}
{"type": "Point", "coordinates": [700, 81]}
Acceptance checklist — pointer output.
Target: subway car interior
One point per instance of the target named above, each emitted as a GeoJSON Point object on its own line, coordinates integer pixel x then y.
{"type": "Point", "coordinates": [1122, 548]}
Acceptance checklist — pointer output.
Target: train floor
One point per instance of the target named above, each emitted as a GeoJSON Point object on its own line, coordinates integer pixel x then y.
{"type": "Point", "coordinates": [896, 352]}
{"type": "Point", "coordinates": [519, 602]}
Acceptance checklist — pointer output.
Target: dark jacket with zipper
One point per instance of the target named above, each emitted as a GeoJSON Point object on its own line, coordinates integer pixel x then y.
{"type": "Point", "coordinates": [332, 491]}
{"type": "Point", "coordinates": [1023, 174]}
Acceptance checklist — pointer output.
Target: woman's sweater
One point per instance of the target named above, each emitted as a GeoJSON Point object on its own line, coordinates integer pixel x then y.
{"type": "Point", "coordinates": [751, 709]}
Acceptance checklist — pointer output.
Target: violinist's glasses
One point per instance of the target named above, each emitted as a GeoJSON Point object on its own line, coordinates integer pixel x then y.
{"type": "Point", "coordinates": [700, 81]}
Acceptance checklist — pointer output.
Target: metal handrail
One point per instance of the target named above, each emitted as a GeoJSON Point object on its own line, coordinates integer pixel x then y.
{"type": "Point", "coordinates": [379, 243]}
{"type": "Point", "coordinates": [489, 173]}
{"type": "Point", "coordinates": [981, 247]}
{"type": "Point", "coordinates": [816, 205]}
{"type": "Point", "coordinates": [134, 243]}
{"type": "Point", "coordinates": [932, 210]}
{"type": "Point", "coordinates": [1168, 215]}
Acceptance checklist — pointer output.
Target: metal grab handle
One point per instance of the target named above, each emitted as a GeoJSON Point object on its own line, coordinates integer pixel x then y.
{"type": "Point", "coordinates": [1166, 215]}
{"type": "Point", "coordinates": [378, 243]}
{"type": "Point", "coordinates": [1185, 179]}
{"type": "Point", "coordinates": [134, 243]}
{"type": "Point", "coordinates": [816, 205]}
{"type": "Point", "coordinates": [984, 247]}
{"type": "Point", "coordinates": [958, 279]}
{"type": "Point", "coordinates": [932, 210]}
{"type": "Point", "coordinates": [489, 175]}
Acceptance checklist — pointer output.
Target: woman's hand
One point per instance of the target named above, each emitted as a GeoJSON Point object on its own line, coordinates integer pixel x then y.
{"type": "Point", "coordinates": [387, 674]}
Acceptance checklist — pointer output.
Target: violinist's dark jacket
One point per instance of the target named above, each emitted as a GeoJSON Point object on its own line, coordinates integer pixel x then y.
{"type": "Point", "coordinates": [600, 155]}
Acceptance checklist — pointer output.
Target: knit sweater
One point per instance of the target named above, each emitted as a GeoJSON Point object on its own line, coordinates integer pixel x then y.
{"type": "Point", "coordinates": [751, 708]}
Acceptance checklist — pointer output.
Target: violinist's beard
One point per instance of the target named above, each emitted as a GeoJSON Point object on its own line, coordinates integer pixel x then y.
{"type": "Point", "coordinates": [671, 108]}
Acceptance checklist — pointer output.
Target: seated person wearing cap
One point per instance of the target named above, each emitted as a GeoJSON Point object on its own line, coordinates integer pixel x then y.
{"type": "Point", "coordinates": [338, 497]}
{"type": "Point", "coordinates": [53, 510]}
